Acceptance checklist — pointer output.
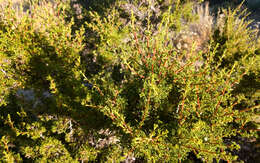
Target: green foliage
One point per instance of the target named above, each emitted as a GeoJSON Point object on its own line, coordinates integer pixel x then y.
{"type": "Point", "coordinates": [145, 99]}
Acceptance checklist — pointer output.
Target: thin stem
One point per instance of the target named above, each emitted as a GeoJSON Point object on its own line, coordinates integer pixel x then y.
{"type": "Point", "coordinates": [198, 100]}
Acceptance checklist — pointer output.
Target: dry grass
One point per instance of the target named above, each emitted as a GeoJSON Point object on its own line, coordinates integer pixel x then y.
{"type": "Point", "coordinates": [198, 32]}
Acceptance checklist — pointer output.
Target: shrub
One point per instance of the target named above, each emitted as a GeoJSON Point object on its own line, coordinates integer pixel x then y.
{"type": "Point", "coordinates": [146, 100]}
{"type": "Point", "coordinates": [41, 54]}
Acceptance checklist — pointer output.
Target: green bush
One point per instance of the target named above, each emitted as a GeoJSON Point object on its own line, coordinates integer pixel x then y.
{"type": "Point", "coordinates": [140, 97]}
